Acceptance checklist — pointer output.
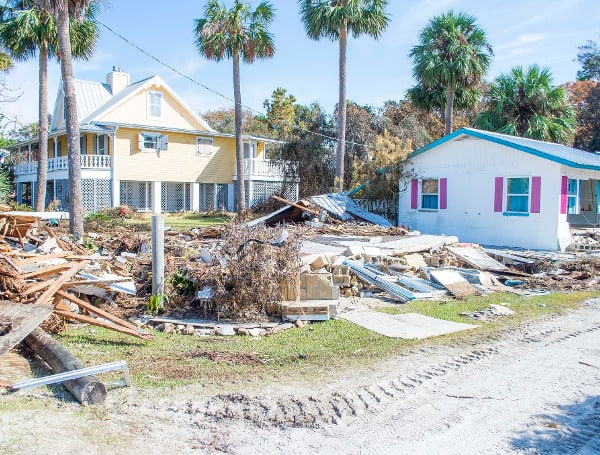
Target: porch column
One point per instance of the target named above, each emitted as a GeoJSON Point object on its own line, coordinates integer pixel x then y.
{"type": "Point", "coordinates": [250, 194]}
{"type": "Point", "coordinates": [230, 197]}
{"type": "Point", "coordinates": [195, 197]}
{"type": "Point", "coordinates": [156, 197]}
{"type": "Point", "coordinates": [116, 184]}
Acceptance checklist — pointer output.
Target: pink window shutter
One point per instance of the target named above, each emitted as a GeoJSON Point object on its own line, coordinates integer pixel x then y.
{"type": "Point", "coordinates": [443, 193]}
{"type": "Point", "coordinates": [414, 193]}
{"type": "Point", "coordinates": [536, 191]}
{"type": "Point", "coordinates": [564, 189]}
{"type": "Point", "coordinates": [498, 188]}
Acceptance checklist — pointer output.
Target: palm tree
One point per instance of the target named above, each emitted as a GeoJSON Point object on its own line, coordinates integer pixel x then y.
{"type": "Point", "coordinates": [26, 30]}
{"type": "Point", "coordinates": [525, 103]}
{"type": "Point", "coordinates": [236, 33]}
{"type": "Point", "coordinates": [63, 11]}
{"type": "Point", "coordinates": [453, 54]}
{"type": "Point", "coordinates": [334, 19]}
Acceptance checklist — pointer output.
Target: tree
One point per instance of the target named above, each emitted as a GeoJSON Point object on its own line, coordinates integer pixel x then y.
{"type": "Point", "coordinates": [312, 146]}
{"type": "Point", "coordinates": [26, 30]}
{"type": "Point", "coordinates": [451, 58]}
{"type": "Point", "coordinates": [63, 11]}
{"type": "Point", "coordinates": [525, 103]}
{"type": "Point", "coordinates": [334, 19]}
{"type": "Point", "coordinates": [223, 120]}
{"type": "Point", "coordinates": [587, 135]}
{"type": "Point", "coordinates": [281, 113]}
{"type": "Point", "coordinates": [237, 33]}
{"type": "Point", "coordinates": [589, 57]}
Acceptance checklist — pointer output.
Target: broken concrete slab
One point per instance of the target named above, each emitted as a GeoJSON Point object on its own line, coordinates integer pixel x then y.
{"type": "Point", "coordinates": [407, 326]}
{"type": "Point", "coordinates": [476, 257]}
{"type": "Point", "coordinates": [310, 310]}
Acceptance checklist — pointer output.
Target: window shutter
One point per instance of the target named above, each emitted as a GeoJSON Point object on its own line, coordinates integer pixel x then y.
{"type": "Point", "coordinates": [140, 141]}
{"type": "Point", "coordinates": [163, 142]}
{"type": "Point", "coordinates": [564, 190]}
{"type": "Point", "coordinates": [536, 191]}
{"type": "Point", "coordinates": [498, 187]}
{"type": "Point", "coordinates": [414, 193]}
{"type": "Point", "coordinates": [443, 193]}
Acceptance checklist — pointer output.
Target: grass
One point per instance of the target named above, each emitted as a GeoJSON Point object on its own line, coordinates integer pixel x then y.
{"type": "Point", "coordinates": [317, 351]}
{"type": "Point", "coordinates": [185, 221]}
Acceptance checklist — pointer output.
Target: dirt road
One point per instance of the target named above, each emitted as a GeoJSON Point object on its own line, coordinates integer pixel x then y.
{"type": "Point", "coordinates": [535, 389]}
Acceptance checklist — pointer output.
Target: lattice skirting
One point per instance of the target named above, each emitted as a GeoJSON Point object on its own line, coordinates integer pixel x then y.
{"type": "Point", "coordinates": [137, 195]}
{"type": "Point", "coordinates": [175, 196]}
{"type": "Point", "coordinates": [263, 190]}
{"type": "Point", "coordinates": [96, 194]}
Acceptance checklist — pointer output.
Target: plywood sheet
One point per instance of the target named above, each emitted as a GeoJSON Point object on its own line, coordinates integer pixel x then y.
{"type": "Point", "coordinates": [456, 284]}
{"type": "Point", "coordinates": [17, 320]}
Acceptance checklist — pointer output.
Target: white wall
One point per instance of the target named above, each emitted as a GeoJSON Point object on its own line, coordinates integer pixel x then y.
{"type": "Point", "coordinates": [471, 165]}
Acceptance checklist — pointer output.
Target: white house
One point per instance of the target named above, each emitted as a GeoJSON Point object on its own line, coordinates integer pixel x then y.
{"type": "Point", "coordinates": [500, 190]}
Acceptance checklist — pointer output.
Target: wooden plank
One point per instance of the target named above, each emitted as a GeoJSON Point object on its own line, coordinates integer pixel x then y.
{"type": "Point", "coordinates": [456, 284]}
{"type": "Point", "coordinates": [97, 311]}
{"type": "Point", "coordinates": [57, 284]}
{"type": "Point", "coordinates": [101, 323]}
{"type": "Point", "coordinates": [477, 258]}
{"type": "Point", "coordinates": [37, 287]}
{"type": "Point", "coordinates": [51, 269]}
{"type": "Point", "coordinates": [32, 258]}
{"type": "Point", "coordinates": [19, 320]}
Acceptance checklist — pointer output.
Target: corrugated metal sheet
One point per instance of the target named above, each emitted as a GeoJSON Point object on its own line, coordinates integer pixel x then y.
{"type": "Point", "coordinates": [343, 207]}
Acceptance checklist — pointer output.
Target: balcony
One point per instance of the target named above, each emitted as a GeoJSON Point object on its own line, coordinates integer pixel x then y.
{"type": "Point", "coordinates": [98, 162]}
{"type": "Point", "coordinates": [259, 169]}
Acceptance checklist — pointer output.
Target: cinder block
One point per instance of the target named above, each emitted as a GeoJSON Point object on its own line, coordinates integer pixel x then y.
{"type": "Point", "coordinates": [320, 262]}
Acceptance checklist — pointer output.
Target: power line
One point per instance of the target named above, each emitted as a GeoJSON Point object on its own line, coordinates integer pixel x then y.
{"type": "Point", "coordinates": [192, 80]}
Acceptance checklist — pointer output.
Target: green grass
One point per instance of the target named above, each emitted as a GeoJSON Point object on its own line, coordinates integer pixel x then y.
{"type": "Point", "coordinates": [317, 351]}
{"type": "Point", "coordinates": [185, 221]}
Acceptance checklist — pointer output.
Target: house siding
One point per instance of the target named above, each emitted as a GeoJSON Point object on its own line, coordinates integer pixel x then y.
{"type": "Point", "coordinates": [471, 167]}
{"type": "Point", "coordinates": [177, 164]}
{"type": "Point", "coordinates": [135, 111]}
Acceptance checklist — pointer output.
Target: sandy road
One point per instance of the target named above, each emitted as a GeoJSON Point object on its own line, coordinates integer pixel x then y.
{"type": "Point", "coordinates": [534, 389]}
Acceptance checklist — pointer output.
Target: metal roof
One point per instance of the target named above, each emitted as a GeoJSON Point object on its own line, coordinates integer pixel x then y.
{"type": "Point", "coordinates": [559, 153]}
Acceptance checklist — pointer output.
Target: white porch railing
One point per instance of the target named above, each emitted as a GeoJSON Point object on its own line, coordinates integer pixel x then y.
{"type": "Point", "coordinates": [62, 162]}
{"type": "Point", "coordinates": [254, 168]}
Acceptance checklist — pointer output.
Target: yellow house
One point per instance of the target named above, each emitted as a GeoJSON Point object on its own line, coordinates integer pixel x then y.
{"type": "Point", "coordinates": [142, 146]}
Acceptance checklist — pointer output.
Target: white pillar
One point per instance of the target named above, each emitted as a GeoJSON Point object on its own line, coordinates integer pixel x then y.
{"type": "Point", "coordinates": [250, 194]}
{"type": "Point", "coordinates": [156, 197]}
{"type": "Point", "coordinates": [116, 184]}
{"type": "Point", "coordinates": [195, 202]}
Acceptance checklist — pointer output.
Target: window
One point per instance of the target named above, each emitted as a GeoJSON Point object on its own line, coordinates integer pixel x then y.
{"type": "Point", "coordinates": [204, 146]}
{"type": "Point", "coordinates": [430, 194]}
{"type": "Point", "coordinates": [249, 150]}
{"type": "Point", "coordinates": [83, 144]}
{"type": "Point", "coordinates": [152, 142]}
{"type": "Point", "coordinates": [573, 197]}
{"type": "Point", "coordinates": [101, 145]}
{"type": "Point", "coordinates": [517, 194]}
{"type": "Point", "coordinates": [154, 104]}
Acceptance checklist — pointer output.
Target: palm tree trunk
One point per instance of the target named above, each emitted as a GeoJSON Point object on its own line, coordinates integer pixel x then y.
{"type": "Point", "coordinates": [341, 127]}
{"type": "Point", "coordinates": [42, 170]}
{"type": "Point", "coordinates": [449, 109]}
{"type": "Point", "coordinates": [240, 190]}
{"type": "Point", "coordinates": [66, 66]}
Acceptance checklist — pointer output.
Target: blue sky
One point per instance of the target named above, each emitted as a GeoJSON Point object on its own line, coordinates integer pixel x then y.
{"type": "Point", "coordinates": [522, 32]}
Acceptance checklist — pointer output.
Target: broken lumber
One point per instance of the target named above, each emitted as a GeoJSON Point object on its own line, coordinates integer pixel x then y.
{"type": "Point", "coordinates": [87, 390]}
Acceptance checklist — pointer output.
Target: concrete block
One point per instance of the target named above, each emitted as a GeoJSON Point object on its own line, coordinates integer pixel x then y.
{"type": "Point", "coordinates": [320, 262]}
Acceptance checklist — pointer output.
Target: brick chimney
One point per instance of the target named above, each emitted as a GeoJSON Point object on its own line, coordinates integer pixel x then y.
{"type": "Point", "coordinates": [117, 80]}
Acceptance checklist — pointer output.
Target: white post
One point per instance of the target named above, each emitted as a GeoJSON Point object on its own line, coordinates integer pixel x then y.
{"type": "Point", "coordinates": [158, 256]}
{"type": "Point", "coordinates": [195, 196]}
{"type": "Point", "coordinates": [156, 197]}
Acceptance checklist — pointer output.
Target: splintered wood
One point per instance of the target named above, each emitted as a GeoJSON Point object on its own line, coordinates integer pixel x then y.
{"type": "Point", "coordinates": [47, 278]}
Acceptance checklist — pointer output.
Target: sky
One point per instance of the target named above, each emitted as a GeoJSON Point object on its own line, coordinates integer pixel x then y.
{"type": "Point", "coordinates": [521, 32]}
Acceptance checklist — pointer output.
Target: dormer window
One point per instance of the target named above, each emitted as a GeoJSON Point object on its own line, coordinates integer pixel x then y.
{"type": "Point", "coordinates": [154, 104]}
